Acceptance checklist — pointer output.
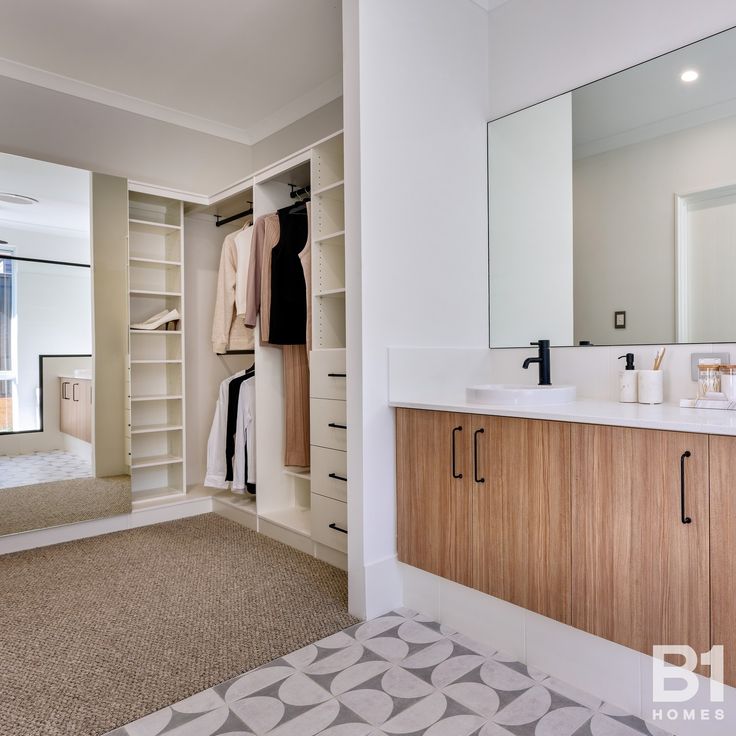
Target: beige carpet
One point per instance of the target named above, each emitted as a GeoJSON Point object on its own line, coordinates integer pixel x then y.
{"type": "Point", "coordinates": [98, 632]}
{"type": "Point", "coordinates": [63, 502]}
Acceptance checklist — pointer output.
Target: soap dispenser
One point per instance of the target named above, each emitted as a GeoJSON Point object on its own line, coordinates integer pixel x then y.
{"type": "Point", "coordinates": [628, 392]}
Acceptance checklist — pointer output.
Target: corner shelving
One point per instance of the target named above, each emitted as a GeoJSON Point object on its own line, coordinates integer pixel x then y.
{"type": "Point", "coordinates": [156, 369]}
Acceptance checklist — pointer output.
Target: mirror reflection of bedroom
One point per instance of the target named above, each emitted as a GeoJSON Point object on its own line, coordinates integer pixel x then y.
{"type": "Point", "coordinates": [47, 463]}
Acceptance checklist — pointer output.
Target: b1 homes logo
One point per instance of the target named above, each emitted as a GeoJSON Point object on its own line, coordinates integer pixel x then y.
{"type": "Point", "coordinates": [674, 686]}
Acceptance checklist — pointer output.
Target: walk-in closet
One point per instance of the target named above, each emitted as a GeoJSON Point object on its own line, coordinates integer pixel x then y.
{"type": "Point", "coordinates": [185, 266]}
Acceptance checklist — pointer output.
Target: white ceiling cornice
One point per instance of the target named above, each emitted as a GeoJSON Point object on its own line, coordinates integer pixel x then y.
{"type": "Point", "coordinates": [307, 103]}
{"type": "Point", "coordinates": [489, 5]}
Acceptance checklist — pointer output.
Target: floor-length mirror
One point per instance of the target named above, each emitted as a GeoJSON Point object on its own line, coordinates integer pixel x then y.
{"type": "Point", "coordinates": [47, 369]}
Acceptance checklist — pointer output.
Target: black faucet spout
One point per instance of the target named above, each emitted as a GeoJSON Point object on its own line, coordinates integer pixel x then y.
{"type": "Point", "coordinates": [543, 359]}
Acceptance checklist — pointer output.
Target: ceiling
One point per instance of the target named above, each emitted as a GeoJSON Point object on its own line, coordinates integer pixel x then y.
{"type": "Point", "coordinates": [650, 100]}
{"type": "Point", "coordinates": [237, 69]}
{"type": "Point", "coordinates": [62, 193]}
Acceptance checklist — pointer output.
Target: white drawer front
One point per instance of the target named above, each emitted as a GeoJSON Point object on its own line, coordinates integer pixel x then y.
{"type": "Point", "coordinates": [328, 518]}
{"type": "Point", "coordinates": [327, 374]}
{"type": "Point", "coordinates": [329, 467]}
{"type": "Point", "coordinates": [328, 424]}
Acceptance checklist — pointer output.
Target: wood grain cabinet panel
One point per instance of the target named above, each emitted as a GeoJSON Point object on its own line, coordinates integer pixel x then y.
{"type": "Point", "coordinates": [521, 549]}
{"type": "Point", "coordinates": [434, 508]}
{"type": "Point", "coordinates": [640, 575]}
{"type": "Point", "coordinates": [722, 546]}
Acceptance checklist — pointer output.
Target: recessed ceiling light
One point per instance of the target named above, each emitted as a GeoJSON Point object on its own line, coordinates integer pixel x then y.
{"type": "Point", "coordinates": [10, 198]}
{"type": "Point", "coordinates": [689, 75]}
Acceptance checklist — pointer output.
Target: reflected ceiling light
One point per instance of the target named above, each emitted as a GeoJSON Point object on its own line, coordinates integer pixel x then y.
{"type": "Point", "coordinates": [689, 75]}
{"type": "Point", "coordinates": [10, 198]}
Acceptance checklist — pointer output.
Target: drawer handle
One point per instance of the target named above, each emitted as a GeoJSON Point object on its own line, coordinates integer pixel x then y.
{"type": "Point", "coordinates": [337, 375]}
{"type": "Point", "coordinates": [683, 518]}
{"type": "Point", "coordinates": [333, 425]}
{"type": "Point", "coordinates": [475, 456]}
{"type": "Point", "coordinates": [455, 474]}
{"type": "Point", "coordinates": [338, 528]}
{"type": "Point", "coordinates": [337, 477]}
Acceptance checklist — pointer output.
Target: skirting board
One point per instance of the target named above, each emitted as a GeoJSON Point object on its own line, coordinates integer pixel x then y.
{"type": "Point", "coordinates": [609, 671]}
{"type": "Point", "coordinates": [95, 527]}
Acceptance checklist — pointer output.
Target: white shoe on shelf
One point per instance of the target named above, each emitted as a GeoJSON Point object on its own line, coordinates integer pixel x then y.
{"type": "Point", "coordinates": [169, 318]}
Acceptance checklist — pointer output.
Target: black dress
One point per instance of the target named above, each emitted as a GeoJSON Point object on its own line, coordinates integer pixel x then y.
{"type": "Point", "coordinates": [288, 288]}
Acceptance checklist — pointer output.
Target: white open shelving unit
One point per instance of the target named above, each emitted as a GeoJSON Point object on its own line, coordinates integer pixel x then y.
{"type": "Point", "coordinates": [156, 416]}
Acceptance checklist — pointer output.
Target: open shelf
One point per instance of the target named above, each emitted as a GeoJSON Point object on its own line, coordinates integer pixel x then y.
{"type": "Point", "coordinates": [149, 292]}
{"type": "Point", "coordinates": [337, 235]}
{"type": "Point", "coordinates": [333, 191]}
{"type": "Point", "coordinates": [295, 518]}
{"type": "Point", "coordinates": [155, 461]}
{"type": "Point", "coordinates": [156, 428]}
{"type": "Point", "coordinates": [157, 494]}
{"type": "Point", "coordinates": [331, 292]}
{"type": "Point", "coordinates": [155, 332]}
{"type": "Point", "coordinates": [156, 398]}
{"type": "Point", "coordinates": [152, 228]}
{"type": "Point", "coordinates": [153, 263]}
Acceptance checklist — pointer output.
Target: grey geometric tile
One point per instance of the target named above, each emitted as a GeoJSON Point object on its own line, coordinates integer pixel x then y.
{"type": "Point", "coordinates": [397, 674]}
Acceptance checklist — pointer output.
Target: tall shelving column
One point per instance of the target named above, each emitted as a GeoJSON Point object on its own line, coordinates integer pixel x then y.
{"type": "Point", "coordinates": [156, 358]}
{"type": "Point", "coordinates": [328, 378]}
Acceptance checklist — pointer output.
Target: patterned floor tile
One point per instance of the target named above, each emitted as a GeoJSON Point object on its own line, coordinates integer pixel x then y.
{"type": "Point", "coordinates": [41, 467]}
{"type": "Point", "coordinates": [400, 674]}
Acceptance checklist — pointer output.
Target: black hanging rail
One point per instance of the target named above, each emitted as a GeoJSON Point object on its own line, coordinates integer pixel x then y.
{"type": "Point", "coordinates": [300, 193]}
{"type": "Point", "coordinates": [220, 221]}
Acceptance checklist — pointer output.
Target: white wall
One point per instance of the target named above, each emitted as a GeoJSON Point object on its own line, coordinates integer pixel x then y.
{"type": "Point", "coordinates": [51, 126]}
{"type": "Point", "coordinates": [625, 229]}
{"type": "Point", "coordinates": [530, 225]}
{"type": "Point", "coordinates": [421, 230]}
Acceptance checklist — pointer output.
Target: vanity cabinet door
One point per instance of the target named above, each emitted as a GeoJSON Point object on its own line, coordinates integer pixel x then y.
{"type": "Point", "coordinates": [722, 546]}
{"type": "Point", "coordinates": [640, 575]}
{"type": "Point", "coordinates": [433, 503]}
{"type": "Point", "coordinates": [66, 409]}
{"type": "Point", "coordinates": [521, 513]}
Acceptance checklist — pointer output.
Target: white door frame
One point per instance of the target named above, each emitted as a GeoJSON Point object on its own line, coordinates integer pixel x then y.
{"type": "Point", "coordinates": [683, 204]}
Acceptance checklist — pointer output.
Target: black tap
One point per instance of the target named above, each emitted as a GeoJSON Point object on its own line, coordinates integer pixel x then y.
{"type": "Point", "coordinates": [543, 360]}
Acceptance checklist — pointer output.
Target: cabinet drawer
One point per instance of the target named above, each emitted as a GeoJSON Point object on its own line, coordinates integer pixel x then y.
{"type": "Point", "coordinates": [327, 374]}
{"type": "Point", "coordinates": [328, 468]}
{"type": "Point", "coordinates": [328, 517]}
{"type": "Point", "coordinates": [328, 424]}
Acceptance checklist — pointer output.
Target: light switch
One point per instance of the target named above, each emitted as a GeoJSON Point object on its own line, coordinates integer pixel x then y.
{"type": "Point", "coordinates": [619, 320]}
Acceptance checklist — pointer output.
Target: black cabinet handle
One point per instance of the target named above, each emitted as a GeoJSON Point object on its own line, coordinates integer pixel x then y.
{"type": "Point", "coordinates": [338, 528]}
{"type": "Point", "coordinates": [75, 386]}
{"type": "Point", "coordinates": [64, 385]}
{"type": "Point", "coordinates": [455, 474]}
{"type": "Point", "coordinates": [337, 426]}
{"type": "Point", "coordinates": [337, 375]}
{"type": "Point", "coordinates": [338, 477]}
{"type": "Point", "coordinates": [475, 456]}
{"type": "Point", "coordinates": [683, 518]}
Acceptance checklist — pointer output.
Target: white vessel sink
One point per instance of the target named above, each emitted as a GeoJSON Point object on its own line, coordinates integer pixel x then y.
{"type": "Point", "coordinates": [516, 394]}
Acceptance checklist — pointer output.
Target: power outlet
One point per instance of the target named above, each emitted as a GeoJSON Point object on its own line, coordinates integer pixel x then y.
{"type": "Point", "coordinates": [695, 359]}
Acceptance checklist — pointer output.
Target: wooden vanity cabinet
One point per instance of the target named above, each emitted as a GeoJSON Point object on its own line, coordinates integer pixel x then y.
{"type": "Point", "coordinates": [485, 501]}
{"type": "Point", "coordinates": [75, 410]}
{"type": "Point", "coordinates": [640, 575]}
{"type": "Point", "coordinates": [434, 493]}
{"type": "Point", "coordinates": [723, 550]}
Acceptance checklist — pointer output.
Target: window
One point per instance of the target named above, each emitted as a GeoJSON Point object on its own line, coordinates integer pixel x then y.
{"type": "Point", "coordinates": [7, 313]}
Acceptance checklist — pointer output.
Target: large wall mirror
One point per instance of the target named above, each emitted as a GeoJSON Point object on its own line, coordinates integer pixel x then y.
{"type": "Point", "coordinates": [612, 208]}
{"type": "Point", "coordinates": [57, 465]}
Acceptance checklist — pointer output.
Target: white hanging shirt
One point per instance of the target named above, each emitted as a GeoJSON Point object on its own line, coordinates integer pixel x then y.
{"type": "Point", "coordinates": [245, 435]}
{"type": "Point", "coordinates": [216, 453]}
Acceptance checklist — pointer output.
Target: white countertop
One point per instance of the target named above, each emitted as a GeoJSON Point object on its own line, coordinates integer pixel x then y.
{"type": "Point", "coordinates": [587, 411]}
{"type": "Point", "coordinates": [74, 378]}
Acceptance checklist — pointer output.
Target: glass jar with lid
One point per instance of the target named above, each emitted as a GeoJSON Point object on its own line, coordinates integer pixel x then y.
{"type": "Point", "coordinates": [728, 381]}
{"type": "Point", "coordinates": [709, 379]}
